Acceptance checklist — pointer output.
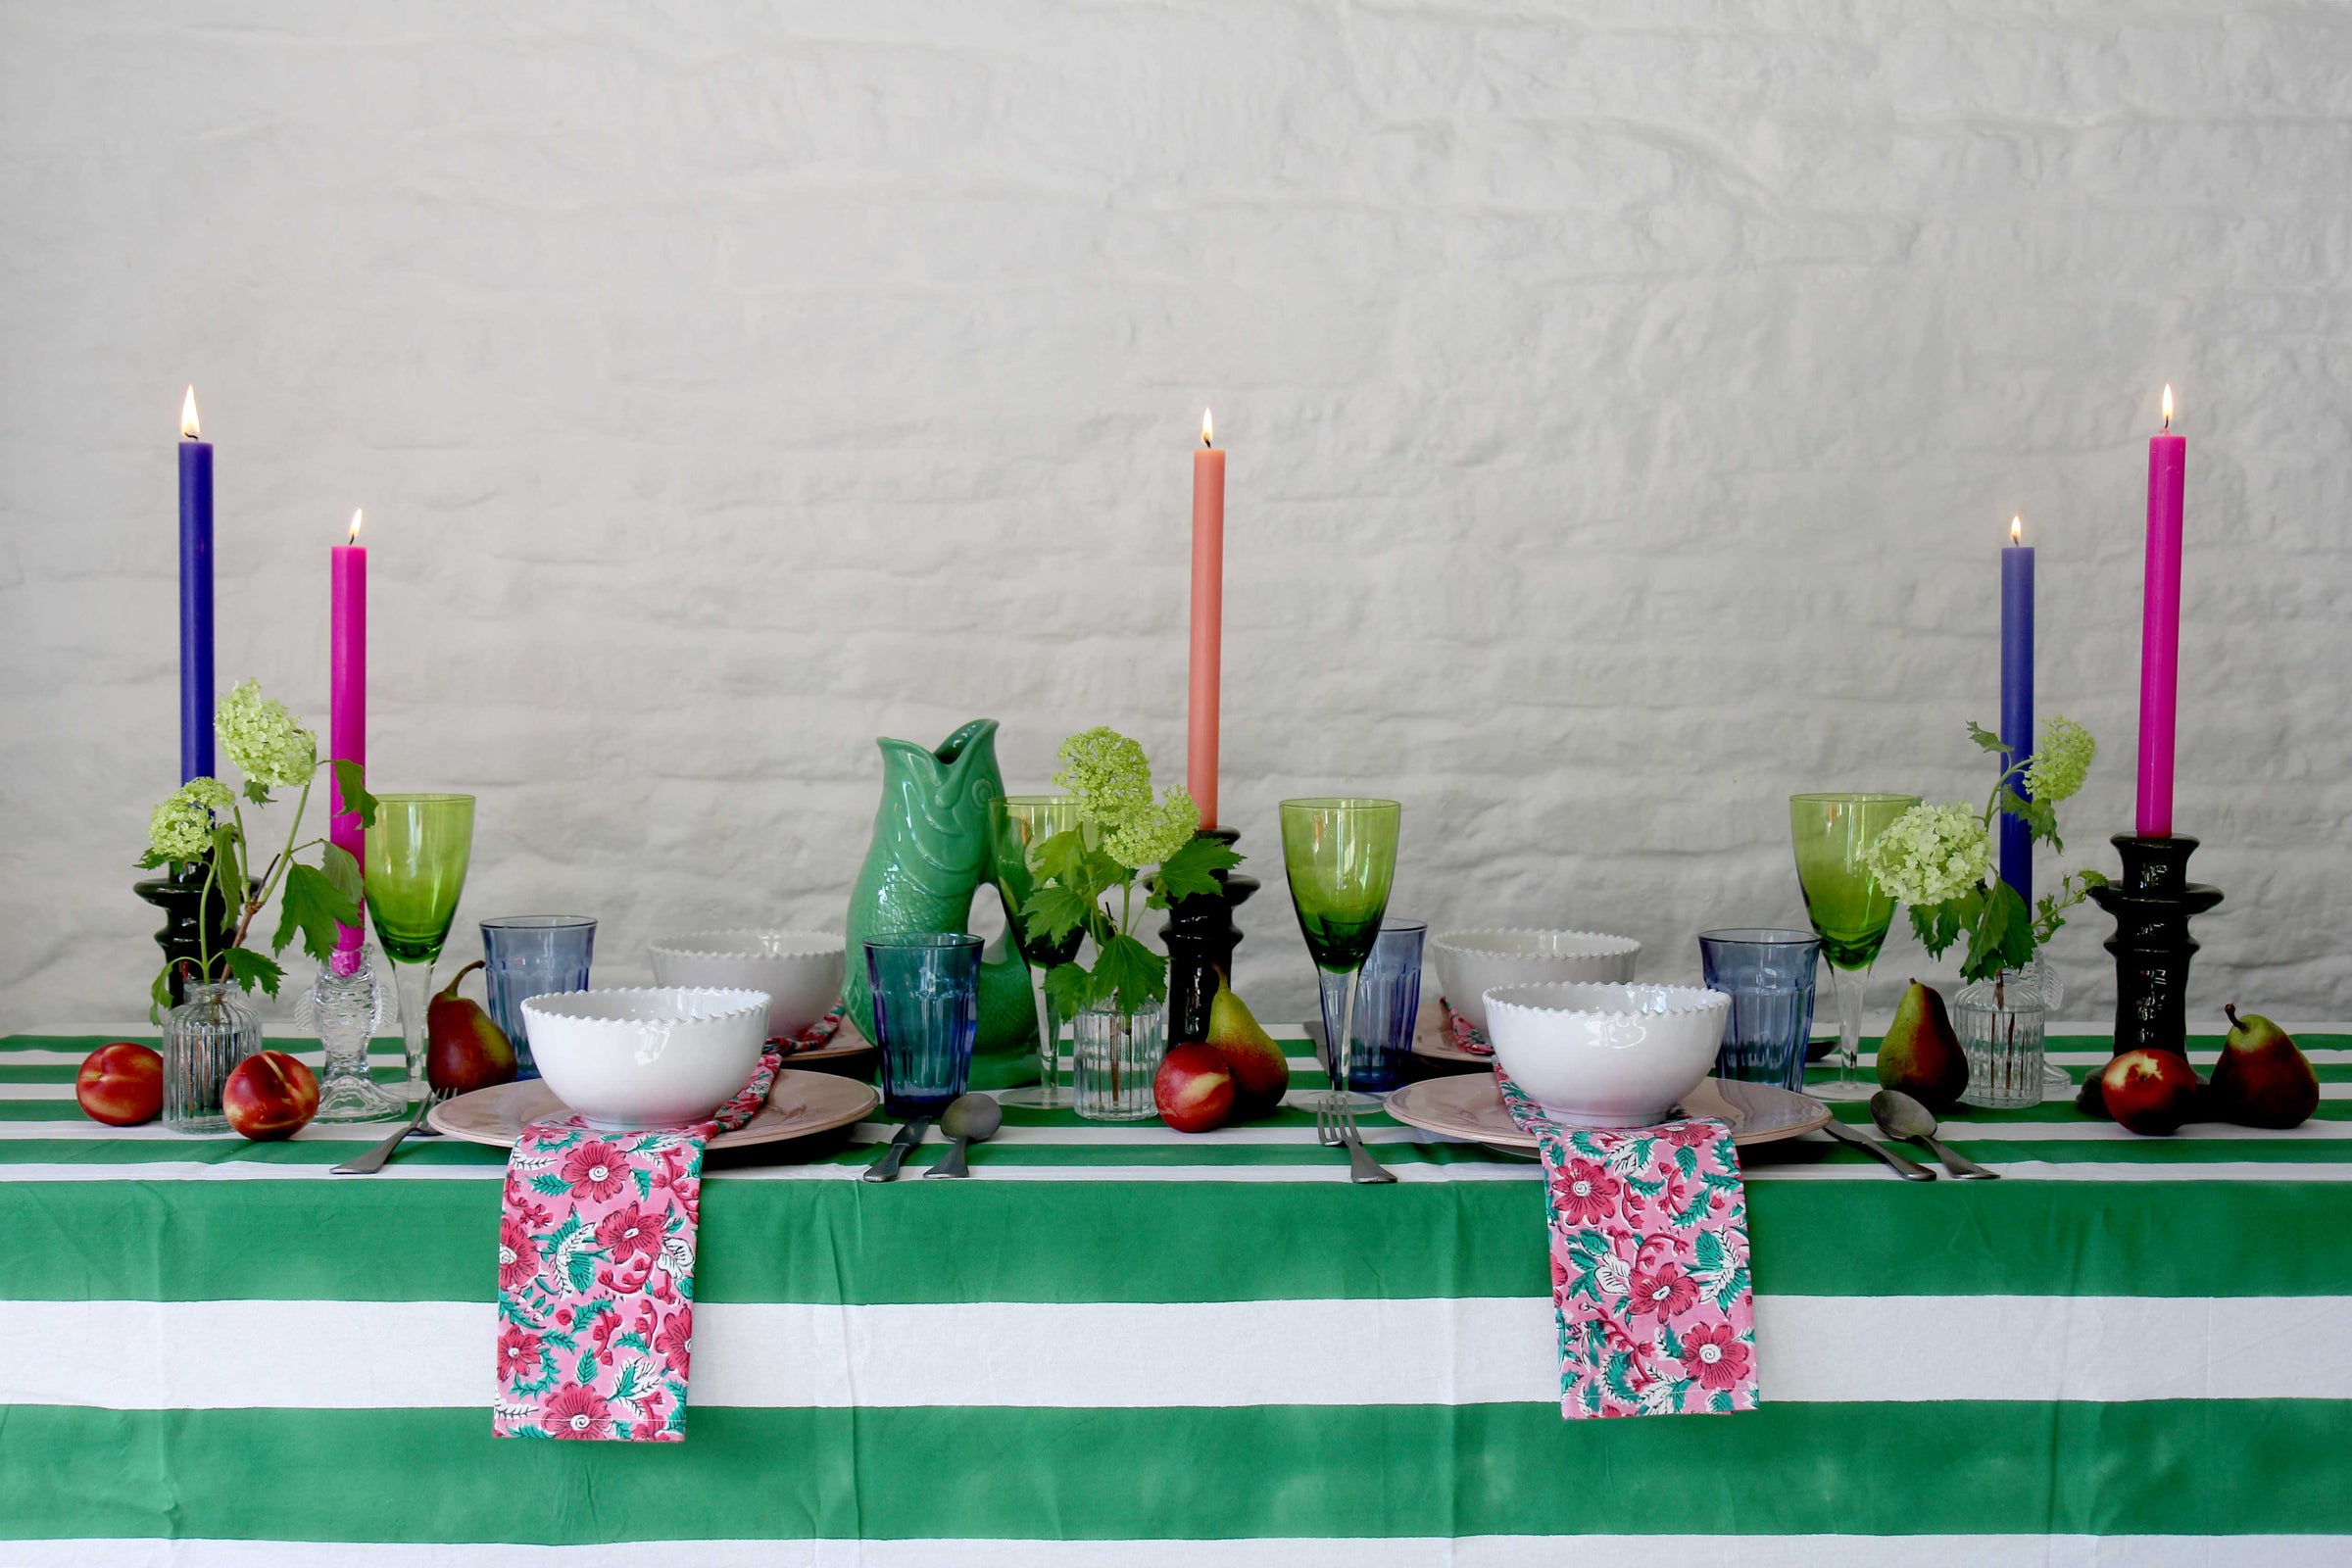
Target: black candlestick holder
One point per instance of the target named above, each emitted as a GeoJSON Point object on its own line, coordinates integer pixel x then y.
{"type": "Point", "coordinates": [182, 898]}
{"type": "Point", "coordinates": [2152, 901]}
{"type": "Point", "coordinates": [1201, 937]}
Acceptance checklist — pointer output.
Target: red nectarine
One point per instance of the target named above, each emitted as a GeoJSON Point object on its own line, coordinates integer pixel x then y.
{"type": "Point", "coordinates": [1194, 1087]}
{"type": "Point", "coordinates": [120, 1085]}
{"type": "Point", "coordinates": [2150, 1091]}
{"type": "Point", "coordinates": [269, 1095]}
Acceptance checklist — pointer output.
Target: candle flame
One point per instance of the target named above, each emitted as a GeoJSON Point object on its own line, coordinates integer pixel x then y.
{"type": "Point", "coordinates": [355, 527]}
{"type": "Point", "coordinates": [2017, 530]}
{"type": "Point", "coordinates": [188, 428]}
{"type": "Point", "coordinates": [2168, 405]}
{"type": "Point", "coordinates": [1208, 430]}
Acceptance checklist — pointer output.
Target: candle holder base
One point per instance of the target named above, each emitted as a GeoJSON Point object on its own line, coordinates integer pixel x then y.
{"type": "Point", "coordinates": [1201, 937]}
{"type": "Point", "coordinates": [181, 896]}
{"type": "Point", "coordinates": [2152, 903]}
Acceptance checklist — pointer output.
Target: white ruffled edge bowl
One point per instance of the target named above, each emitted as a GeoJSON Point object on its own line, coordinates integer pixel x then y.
{"type": "Point", "coordinates": [1600, 1054]}
{"type": "Point", "coordinates": [639, 1056]}
{"type": "Point", "coordinates": [1472, 962]}
{"type": "Point", "coordinates": [801, 971]}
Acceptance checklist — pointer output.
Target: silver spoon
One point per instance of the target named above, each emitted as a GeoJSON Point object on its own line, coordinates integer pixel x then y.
{"type": "Point", "coordinates": [970, 1119]}
{"type": "Point", "coordinates": [1898, 1115]}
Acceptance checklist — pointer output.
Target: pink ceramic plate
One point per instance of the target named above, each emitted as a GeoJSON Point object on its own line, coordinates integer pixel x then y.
{"type": "Point", "coordinates": [800, 1106]}
{"type": "Point", "coordinates": [1469, 1105]}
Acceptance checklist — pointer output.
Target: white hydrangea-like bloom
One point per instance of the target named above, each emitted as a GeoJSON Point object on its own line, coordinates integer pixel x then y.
{"type": "Point", "coordinates": [1930, 854]}
{"type": "Point", "coordinates": [261, 738]}
{"type": "Point", "coordinates": [182, 828]}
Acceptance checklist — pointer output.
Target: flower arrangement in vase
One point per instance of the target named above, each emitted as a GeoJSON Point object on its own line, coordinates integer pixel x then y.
{"type": "Point", "coordinates": [1087, 876]}
{"type": "Point", "coordinates": [1937, 860]}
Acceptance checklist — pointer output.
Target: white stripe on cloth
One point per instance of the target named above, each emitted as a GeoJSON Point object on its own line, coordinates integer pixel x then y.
{"type": "Point", "coordinates": [1476, 1350]}
{"type": "Point", "coordinates": [1286, 1551]}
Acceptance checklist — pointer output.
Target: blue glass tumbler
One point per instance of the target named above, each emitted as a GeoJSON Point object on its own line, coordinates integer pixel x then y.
{"type": "Point", "coordinates": [527, 956]}
{"type": "Point", "coordinates": [1388, 1002]}
{"type": "Point", "coordinates": [1769, 976]}
{"type": "Point", "coordinates": [926, 987]}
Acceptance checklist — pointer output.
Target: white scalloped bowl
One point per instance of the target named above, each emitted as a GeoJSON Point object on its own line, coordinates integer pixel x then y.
{"type": "Point", "coordinates": [647, 1056]}
{"type": "Point", "coordinates": [1471, 963]}
{"type": "Point", "coordinates": [1607, 1056]}
{"type": "Point", "coordinates": [799, 970]}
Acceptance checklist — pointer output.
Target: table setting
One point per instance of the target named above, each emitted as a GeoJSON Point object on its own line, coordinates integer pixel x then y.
{"type": "Point", "coordinates": [887, 1198]}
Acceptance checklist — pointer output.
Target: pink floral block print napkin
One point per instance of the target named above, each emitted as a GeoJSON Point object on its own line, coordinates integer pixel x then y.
{"type": "Point", "coordinates": [1649, 1277]}
{"type": "Point", "coordinates": [596, 1271]}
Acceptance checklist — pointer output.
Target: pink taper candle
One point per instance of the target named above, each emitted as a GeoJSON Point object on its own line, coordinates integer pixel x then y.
{"type": "Point", "coordinates": [347, 708]}
{"type": "Point", "coordinates": [2160, 628]}
{"type": "Point", "coordinates": [1208, 621]}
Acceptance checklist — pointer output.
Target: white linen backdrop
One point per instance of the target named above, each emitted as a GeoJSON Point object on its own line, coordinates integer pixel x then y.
{"type": "Point", "coordinates": [1626, 407]}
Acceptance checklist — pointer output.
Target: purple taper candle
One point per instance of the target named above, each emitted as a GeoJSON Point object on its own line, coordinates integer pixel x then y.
{"type": "Point", "coordinates": [2017, 701]}
{"type": "Point", "coordinates": [195, 597]}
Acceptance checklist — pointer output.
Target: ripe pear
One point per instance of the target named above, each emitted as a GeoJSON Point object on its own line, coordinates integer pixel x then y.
{"type": "Point", "coordinates": [464, 1049]}
{"type": "Point", "coordinates": [2263, 1080]}
{"type": "Point", "coordinates": [1261, 1073]}
{"type": "Point", "coordinates": [1921, 1056]}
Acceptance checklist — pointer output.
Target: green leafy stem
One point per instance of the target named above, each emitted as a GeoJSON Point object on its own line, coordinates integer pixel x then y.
{"type": "Point", "coordinates": [2003, 933]}
{"type": "Point", "coordinates": [318, 899]}
{"type": "Point", "coordinates": [1076, 879]}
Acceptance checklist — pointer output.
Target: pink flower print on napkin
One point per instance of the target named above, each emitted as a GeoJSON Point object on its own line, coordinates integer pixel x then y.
{"type": "Point", "coordinates": [1649, 1276]}
{"type": "Point", "coordinates": [595, 1248]}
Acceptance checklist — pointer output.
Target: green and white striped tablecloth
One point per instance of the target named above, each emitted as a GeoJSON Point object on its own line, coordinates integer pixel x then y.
{"type": "Point", "coordinates": [1119, 1344]}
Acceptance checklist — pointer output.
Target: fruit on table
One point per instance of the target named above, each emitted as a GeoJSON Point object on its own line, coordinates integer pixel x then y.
{"type": "Point", "coordinates": [269, 1095]}
{"type": "Point", "coordinates": [464, 1049]}
{"type": "Point", "coordinates": [2263, 1080]}
{"type": "Point", "coordinates": [120, 1085]}
{"type": "Point", "coordinates": [1261, 1073]}
{"type": "Point", "coordinates": [1194, 1087]}
{"type": "Point", "coordinates": [1920, 1054]}
{"type": "Point", "coordinates": [2150, 1091]}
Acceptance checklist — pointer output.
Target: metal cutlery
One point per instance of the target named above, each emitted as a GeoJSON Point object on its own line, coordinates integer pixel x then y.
{"type": "Point", "coordinates": [970, 1119]}
{"type": "Point", "coordinates": [371, 1162]}
{"type": "Point", "coordinates": [1903, 1165]}
{"type": "Point", "coordinates": [884, 1167]}
{"type": "Point", "coordinates": [1899, 1115]}
{"type": "Point", "coordinates": [1337, 1129]}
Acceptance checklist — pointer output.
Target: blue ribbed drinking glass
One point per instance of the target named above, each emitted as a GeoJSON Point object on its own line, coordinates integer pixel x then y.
{"type": "Point", "coordinates": [1769, 976]}
{"type": "Point", "coordinates": [926, 987]}
{"type": "Point", "coordinates": [1387, 1001]}
{"type": "Point", "coordinates": [527, 956]}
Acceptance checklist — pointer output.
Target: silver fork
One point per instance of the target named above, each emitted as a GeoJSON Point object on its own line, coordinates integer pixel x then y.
{"type": "Point", "coordinates": [1336, 1128]}
{"type": "Point", "coordinates": [371, 1162]}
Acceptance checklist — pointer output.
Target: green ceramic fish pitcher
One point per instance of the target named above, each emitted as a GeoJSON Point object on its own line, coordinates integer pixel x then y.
{"type": "Point", "coordinates": [929, 857]}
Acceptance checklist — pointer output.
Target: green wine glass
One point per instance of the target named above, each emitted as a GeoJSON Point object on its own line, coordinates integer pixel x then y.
{"type": "Point", "coordinates": [1849, 910]}
{"type": "Point", "coordinates": [1017, 824]}
{"type": "Point", "coordinates": [416, 856]}
{"type": "Point", "coordinates": [1341, 857]}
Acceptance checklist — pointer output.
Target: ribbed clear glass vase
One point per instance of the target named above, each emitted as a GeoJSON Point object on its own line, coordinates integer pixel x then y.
{"type": "Point", "coordinates": [204, 1038]}
{"type": "Point", "coordinates": [2000, 1022]}
{"type": "Point", "coordinates": [1113, 1058]}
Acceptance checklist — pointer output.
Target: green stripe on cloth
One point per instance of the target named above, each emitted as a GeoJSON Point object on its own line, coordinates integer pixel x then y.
{"type": "Point", "coordinates": [1078, 1241]}
{"type": "Point", "coordinates": [2220, 1467]}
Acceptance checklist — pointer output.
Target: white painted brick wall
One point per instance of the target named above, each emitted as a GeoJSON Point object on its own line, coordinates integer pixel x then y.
{"type": "Point", "coordinates": [1625, 403]}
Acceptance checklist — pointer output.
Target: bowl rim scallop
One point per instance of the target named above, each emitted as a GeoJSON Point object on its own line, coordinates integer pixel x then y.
{"type": "Point", "coordinates": [1693, 1000]}
{"type": "Point", "coordinates": [753, 1002]}
{"type": "Point", "coordinates": [803, 944]}
{"type": "Point", "coordinates": [1612, 945]}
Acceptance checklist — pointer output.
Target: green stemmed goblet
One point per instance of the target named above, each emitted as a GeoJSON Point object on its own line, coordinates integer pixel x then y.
{"type": "Point", "coordinates": [1341, 855]}
{"type": "Point", "coordinates": [1848, 911]}
{"type": "Point", "coordinates": [417, 856]}
{"type": "Point", "coordinates": [1017, 824]}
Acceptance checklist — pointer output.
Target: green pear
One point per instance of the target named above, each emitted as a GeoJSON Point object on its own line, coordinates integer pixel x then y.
{"type": "Point", "coordinates": [2263, 1080]}
{"type": "Point", "coordinates": [1921, 1056]}
{"type": "Point", "coordinates": [1261, 1073]}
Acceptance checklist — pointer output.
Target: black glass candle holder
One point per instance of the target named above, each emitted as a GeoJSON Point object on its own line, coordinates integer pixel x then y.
{"type": "Point", "coordinates": [2152, 903]}
{"type": "Point", "coordinates": [1201, 937]}
{"type": "Point", "coordinates": [186, 904]}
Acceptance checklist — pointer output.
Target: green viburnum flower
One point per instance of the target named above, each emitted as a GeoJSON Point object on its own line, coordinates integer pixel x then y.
{"type": "Point", "coordinates": [182, 828]}
{"type": "Point", "coordinates": [2063, 761]}
{"type": "Point", "coordinates": [1149, 837]}
{"type": "Point", "coordinates": [1930, 854]}
{"type": "Point", "coordinates": [1109, 776]}
{"type": "Point", "coordinates": [261, 738]}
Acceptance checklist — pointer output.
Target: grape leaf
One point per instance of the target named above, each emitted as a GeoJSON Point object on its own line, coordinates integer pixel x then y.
{"type": "Point", "coordinates": [1054, 911]}
{"type": "Point", "coordinates": [1984, 738]}
{"type": "Point", "coordinates": [1059, 857]}
{"type": "Point", "coordinates": [313, 905]}
{"type": "Point", "coordinates": [1187, 873]}
{"type": "Point", "coordinates": [257, 792]}
{"type": "Point", "coordinates": [1133, 972]}
{"type": "Point", "coordinates": [248, 969]}
{"type": "Point", "coordinates": [351, 785]}
{"type": "Point", "coordinates": [1071, 989]}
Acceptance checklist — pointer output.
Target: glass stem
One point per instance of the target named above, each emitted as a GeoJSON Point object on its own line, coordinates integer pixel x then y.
{"type": "Point", "coordinates": [1048, 1046]}
{"type": "Point", "coordinates": [1849, 984]}
{"type": "Point", "coordinates": [416, 984]}
{"type": "Point", "coordinates": [1335, 1049]}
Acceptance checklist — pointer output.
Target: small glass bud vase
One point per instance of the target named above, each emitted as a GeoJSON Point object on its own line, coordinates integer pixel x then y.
{"type": "Point", "coordinates": [1113, 1058]}
{"type": "Point", "coordinates": [204, 1038]}
{"type": "Point", "coordinates": [1999, 1022]}
{"type": "Point", "coordinates": [347, 1006]}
